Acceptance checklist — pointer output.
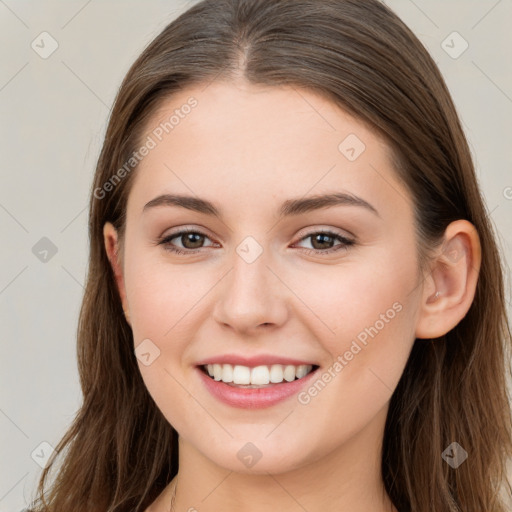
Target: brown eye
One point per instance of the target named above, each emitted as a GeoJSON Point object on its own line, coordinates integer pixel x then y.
{"type": "Point", "coordinates": [323, 242]}
{"type": "Point", "coordinates": [191, 241]}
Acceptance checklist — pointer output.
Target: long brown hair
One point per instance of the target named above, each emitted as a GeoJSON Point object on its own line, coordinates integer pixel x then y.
{"type": "Point", "coordinates": [120, 451]}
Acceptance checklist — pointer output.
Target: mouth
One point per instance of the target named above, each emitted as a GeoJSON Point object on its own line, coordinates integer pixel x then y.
{"type": "Point", "coordinates": [262, 376]}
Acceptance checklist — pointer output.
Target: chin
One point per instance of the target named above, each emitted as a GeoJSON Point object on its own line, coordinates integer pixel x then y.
{"type": "Point", "coordinates": [257, 457]}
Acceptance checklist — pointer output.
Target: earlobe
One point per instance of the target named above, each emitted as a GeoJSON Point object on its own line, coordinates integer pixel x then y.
{"type": "Point", "coordinates": [450, 288]}
{"type": "Point", "coordinates": [112, 248]}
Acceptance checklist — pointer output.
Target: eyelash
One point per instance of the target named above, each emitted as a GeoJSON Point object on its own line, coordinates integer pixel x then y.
{"type": "Point", "coordinates": [344, 245]}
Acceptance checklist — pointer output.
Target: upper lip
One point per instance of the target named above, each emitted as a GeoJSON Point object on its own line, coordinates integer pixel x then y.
{"type": "Point", "coordinates": [259, 360]}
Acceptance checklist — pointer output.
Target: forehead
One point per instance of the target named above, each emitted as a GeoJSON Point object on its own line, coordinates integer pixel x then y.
{"type": "Point", "coordinates": [250, 140]}
{"type": "Point", "coordinates": [287, 115]}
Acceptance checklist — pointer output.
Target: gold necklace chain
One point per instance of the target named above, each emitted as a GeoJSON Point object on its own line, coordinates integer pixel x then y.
{"type": "Point", "coordinates": [174, 495]}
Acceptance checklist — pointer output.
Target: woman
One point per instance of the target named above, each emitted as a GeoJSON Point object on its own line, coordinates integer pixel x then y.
{"type": "Point", "coordinates": [230, 360]}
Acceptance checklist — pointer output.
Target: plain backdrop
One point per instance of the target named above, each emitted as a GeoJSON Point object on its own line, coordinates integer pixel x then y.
{"type": "Point", "coordinates": [54, 109]}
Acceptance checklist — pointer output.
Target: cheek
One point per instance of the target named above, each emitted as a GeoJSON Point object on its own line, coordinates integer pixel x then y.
{"type": "Point", "coordinates": [162, 299]}
{"type": "Point", "coordinates": [159, 294]}
{"type": "Point", "coordinates": [370, 312]}
{"type": "Point", "coordinates": [360, 295]}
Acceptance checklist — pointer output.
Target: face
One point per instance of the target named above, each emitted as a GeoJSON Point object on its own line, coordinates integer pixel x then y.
{"type": "Point", "coordinates": [272, 278]}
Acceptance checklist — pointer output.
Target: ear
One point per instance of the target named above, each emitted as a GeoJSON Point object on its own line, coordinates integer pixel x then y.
{"type": "Point", "coordinates": [112, 247]}
{"type": "Point", "coordinates": [450, 287]}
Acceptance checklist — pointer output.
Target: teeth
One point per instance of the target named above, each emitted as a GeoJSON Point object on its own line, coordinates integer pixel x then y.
{"type": "Point", "coordinates": [276, 373]}
{"type": "Point", "coordinates": [259, 375]}
{"type": "Point", "coordinates": [241, 374]}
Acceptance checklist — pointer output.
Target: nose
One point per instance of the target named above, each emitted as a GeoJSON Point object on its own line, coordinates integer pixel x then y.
{"type": "Point", "coordinates": [251, 297]}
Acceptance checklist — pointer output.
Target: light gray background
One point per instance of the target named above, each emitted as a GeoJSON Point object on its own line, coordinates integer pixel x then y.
{"type": "Point", "coordinates": [54, 114]}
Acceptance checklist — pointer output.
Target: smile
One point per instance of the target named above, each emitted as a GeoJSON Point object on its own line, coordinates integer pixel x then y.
{"type": "Point", "coordinates": [255, 387]}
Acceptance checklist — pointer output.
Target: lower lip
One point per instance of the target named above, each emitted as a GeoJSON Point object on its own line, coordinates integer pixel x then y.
{"type": "Point", "coordinates": [254, 398]}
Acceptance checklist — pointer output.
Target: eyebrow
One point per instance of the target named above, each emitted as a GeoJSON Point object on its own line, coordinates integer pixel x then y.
{"type": "Point", "coordinates": [289, 207]}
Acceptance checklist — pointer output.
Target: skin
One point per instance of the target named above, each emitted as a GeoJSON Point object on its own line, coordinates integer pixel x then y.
{"type": "Point", "coordinates": [247, 149]}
